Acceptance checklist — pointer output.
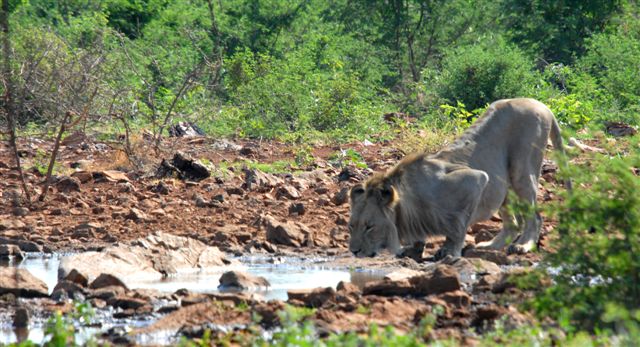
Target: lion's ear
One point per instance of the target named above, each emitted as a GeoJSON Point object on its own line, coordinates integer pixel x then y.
{"type": "Point", "coordinates": [356, 191]}
{"type": "Point", "coordinates": [387, 195]}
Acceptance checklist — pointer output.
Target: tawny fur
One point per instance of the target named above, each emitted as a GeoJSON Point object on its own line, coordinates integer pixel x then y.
{"type": "Point", "coordinates": [464, 183]}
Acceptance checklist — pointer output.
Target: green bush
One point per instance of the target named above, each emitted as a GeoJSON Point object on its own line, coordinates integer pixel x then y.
{"type": "Point", "coordinates": [596, 264]}
{"type": "Point", "coordinates": [479, 74]}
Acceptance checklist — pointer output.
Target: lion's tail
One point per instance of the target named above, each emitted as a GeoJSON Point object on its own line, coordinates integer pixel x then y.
{"type": "Point", "coordinates": [556, 139]}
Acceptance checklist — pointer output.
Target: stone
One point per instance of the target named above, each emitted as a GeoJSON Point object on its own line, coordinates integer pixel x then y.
{"type": "Point", "coordinates": [312, 297]}
{"type": "Point", "coordinates": [341, 197]}
{"type": "Point", "coordinates": [125, 302]}
{"type": "Point", "coordinates": [68, 289]}
{"type": "Point", "coordinates": [20, 211]}
{"type": "Point", "coordinates": [184, 167]}
{"type": "Point", "coordinates": [402, 273]}
{"type": "Point", "coordinates": [107, 280]}
{"type": "Point", "coordinates": [470, 269]}
{"type": "Point", "coordinates": [498, 257]}
{"type": "Point", "coordinates": [29, 246]}
{"type": "Point", "coordinates": [290, 233]}
{"type": "Point", "coordinates": [388, 287]}
{"type": "Point", "coordinates": [296, 208]}
{"type": "Point", "coordinates": [7, 251]}
{"type": "Point", "coordinates": [66, 184]}
{"type": "Point", "coordinates": [260, 181]}
{"type": "Point", "coordinates": [21, 283]}
{"type": "Point", "coordinates": [457, 298]}
{"type": "Point", "coordinates": [8, 223]}
{"type": "Point", "coordinates": [288, 192]}
{"type": "Point", "coordinates": [136, 215]}
{"type": "Point", "coordinates": [82, 176]}
{"type": "Point", "coordinates": [444, 279]}
{"type": "Point", "coordinates": [145, 259]}
{"type": "Point", "coordinates": [236, 280]}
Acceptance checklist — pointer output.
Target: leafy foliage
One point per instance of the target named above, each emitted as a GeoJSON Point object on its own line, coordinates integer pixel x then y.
{"type": "Point", "coordinates": [597, 252]}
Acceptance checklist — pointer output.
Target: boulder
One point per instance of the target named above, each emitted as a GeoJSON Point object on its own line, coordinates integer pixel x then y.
{"type": "Point", "coordinates": [7, 251]}
{"type": "Point", "coordinates": [22, 283]}
{"type": "Point", "coordinates": [107, 280]}
{"type": "Point", "coordinates": [498, 257]}
{"type": "Point", "coordinates": [77, 278]}
{"type": "Point", "coordinates": [146, 259]}
{"type": "Point", "coordinates": [289, 233]}
{"type": "Point", "coordinates": [312, 297]}
{"type": "Point", "coordinates": [457, 298]}
{"type": "Point", "coordinates": [66, 184]}
{"type": "Point", "coordinates": [442, 279]}
{"type": "Point", "coordinates": [236, 280]}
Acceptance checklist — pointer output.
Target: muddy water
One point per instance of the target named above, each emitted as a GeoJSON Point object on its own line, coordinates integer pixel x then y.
{"type": "Point", "coordinates": [283, 273]}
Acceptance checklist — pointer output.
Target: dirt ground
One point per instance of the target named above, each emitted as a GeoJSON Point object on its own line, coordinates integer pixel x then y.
{"type": "Point", "coordinates": [98, 199]}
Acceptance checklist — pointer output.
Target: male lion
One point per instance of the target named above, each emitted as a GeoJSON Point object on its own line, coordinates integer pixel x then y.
{"type": "Point", "coordinates": [462, 184]}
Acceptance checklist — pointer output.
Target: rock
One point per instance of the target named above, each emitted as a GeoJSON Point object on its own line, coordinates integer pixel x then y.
{"type": "Point", "coordinates": [87, 230]}
{"type": "Point", "coordinates": [341, 196]}
{"type": "Point", "coordinates": [66, 184]}
{"type": "Point", "coordinates": [136, 215]}
{"type": "Point", "coordinates": [387, 287]}
{"type": "Point", "coordinates": [10, 223]}
{"type": "Point", "coordinates": [444, 279]}
{"type": "Point", "coordinates": [29, 246]}
{"type": "Point", "coordinates": [184, 167]}
{"type": "Point", "coordinates": [82, 176]}
{"type": "Point", "coordinates": [296, 208]}
{"type": "Point", "coordinates": [21, 318]}
{"type": "Point", "coordinates": [126, 302]}
{"type": "Point", "coordinates": [288, 192]}
{"type": "Point", "coordinates": [457, 298]}
{"type": "Point", "coordinates": [146, 259]}
{"type": "Point", "coordinates": [290, 233]}
{"type": "Point", "coordinates": [260, 181]}
{"type": "Point", "coordinates": [488, 312]}
{"type": "Point", "coordinates": [470, 269]}
{"type": "Point", "coordinates": [347, 287]}
{"type": "Point", "coordinates": [67, 289]}
{"type": "Point", "coordinates": [107, 280]}
{"type": "Point", "coordinates": [20, 211]}
{"type": "Point", "coordinates": [7, 251]}
{"type": "Point", "coordinates": [185, 129]}
{"type": "Point", "coordinates": [312, 297]}
{"type": "Point", "coordinates": [21, 283]}
{"type": "Point", "coordinates": [619, 129]}
{"type": "Point", "coordinates": [107, 293]}
{"type": "Point", "coordinates": [498, 257]}
{"type": "Point", "coordinates": [236, 280]}
{"type": "Point", "coordinates": [402, 273]}
{"type": "Point", "coordinates": [160, 188]}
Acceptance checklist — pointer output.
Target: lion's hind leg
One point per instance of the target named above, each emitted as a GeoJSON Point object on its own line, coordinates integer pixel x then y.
{"type": "Point", "coordinates": [526, 191]}
{"type": "Point", "coordinates": [508, 233]}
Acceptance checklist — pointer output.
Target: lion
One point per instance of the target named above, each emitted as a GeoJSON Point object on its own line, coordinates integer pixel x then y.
{"type": "Point", "coordinates": [464, 183]}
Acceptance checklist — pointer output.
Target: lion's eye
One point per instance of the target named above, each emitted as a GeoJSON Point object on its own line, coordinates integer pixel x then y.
{"type": "Point", "coordinates": [368, 229]}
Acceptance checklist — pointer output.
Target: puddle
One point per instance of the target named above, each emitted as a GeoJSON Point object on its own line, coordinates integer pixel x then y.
{"type": "Point", "coordinates": [286, 274]}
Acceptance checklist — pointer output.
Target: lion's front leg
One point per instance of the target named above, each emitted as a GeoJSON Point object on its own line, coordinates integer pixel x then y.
{"type": "Point", "coordinates": [452, 246]}
{"type": "Point", "coordinates": [414, 251]}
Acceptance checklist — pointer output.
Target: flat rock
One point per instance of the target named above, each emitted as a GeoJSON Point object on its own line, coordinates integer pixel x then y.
{"type": "Point", "coordinates": [8, 222]}
{"type": "Point", "coordinates": [146, 259]}
{"type": "Point", "coordinates": [498, 257]}
{"type": "Point", "coordinates": [236, 280]}
{"type": "Point", "coordinates": [312, 297]}
{"type": "Point", "coordinates": [21, 283]}
{"type": "Point", "coordinates": [8, 250]}
{"type": "Point", "coordinates": [443, 278]}
{"type": "Point", "coordinates": [289, 233]}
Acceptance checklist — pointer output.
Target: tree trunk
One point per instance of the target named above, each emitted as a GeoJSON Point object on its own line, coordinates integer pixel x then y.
{"type": "Point", "coordinates": [9, 107]}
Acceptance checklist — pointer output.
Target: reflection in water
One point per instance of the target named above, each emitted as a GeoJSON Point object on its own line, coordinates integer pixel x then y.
{"type": "Point", "coordinates": [288, 274]}
{"type": "Point", "coordinates": [21, 334]}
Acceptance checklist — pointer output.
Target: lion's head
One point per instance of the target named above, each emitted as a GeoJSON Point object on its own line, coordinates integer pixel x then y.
{"type": "Point", "coordinates": [371, 225]}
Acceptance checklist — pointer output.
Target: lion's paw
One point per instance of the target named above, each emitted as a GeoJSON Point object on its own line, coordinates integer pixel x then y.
{"type": "Point", "coordinates": [520, 248]}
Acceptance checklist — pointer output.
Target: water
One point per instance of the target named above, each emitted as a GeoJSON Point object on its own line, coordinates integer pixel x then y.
{"type": "Point", "coordinates": [285, 274]}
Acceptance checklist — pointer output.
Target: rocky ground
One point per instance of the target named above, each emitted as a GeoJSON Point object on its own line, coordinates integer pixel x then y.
{"type": "Point", "coordinates": [215, 195]}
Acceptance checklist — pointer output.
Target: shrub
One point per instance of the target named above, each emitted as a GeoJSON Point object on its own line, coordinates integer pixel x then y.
{"type": "Point", "coordinates": [482, 73]}
{"type": "Point", "coordinates": [596, 266]}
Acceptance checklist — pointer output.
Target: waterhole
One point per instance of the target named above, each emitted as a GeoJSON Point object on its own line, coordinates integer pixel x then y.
{"type": "Point", "coordinates": [284, 273]}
